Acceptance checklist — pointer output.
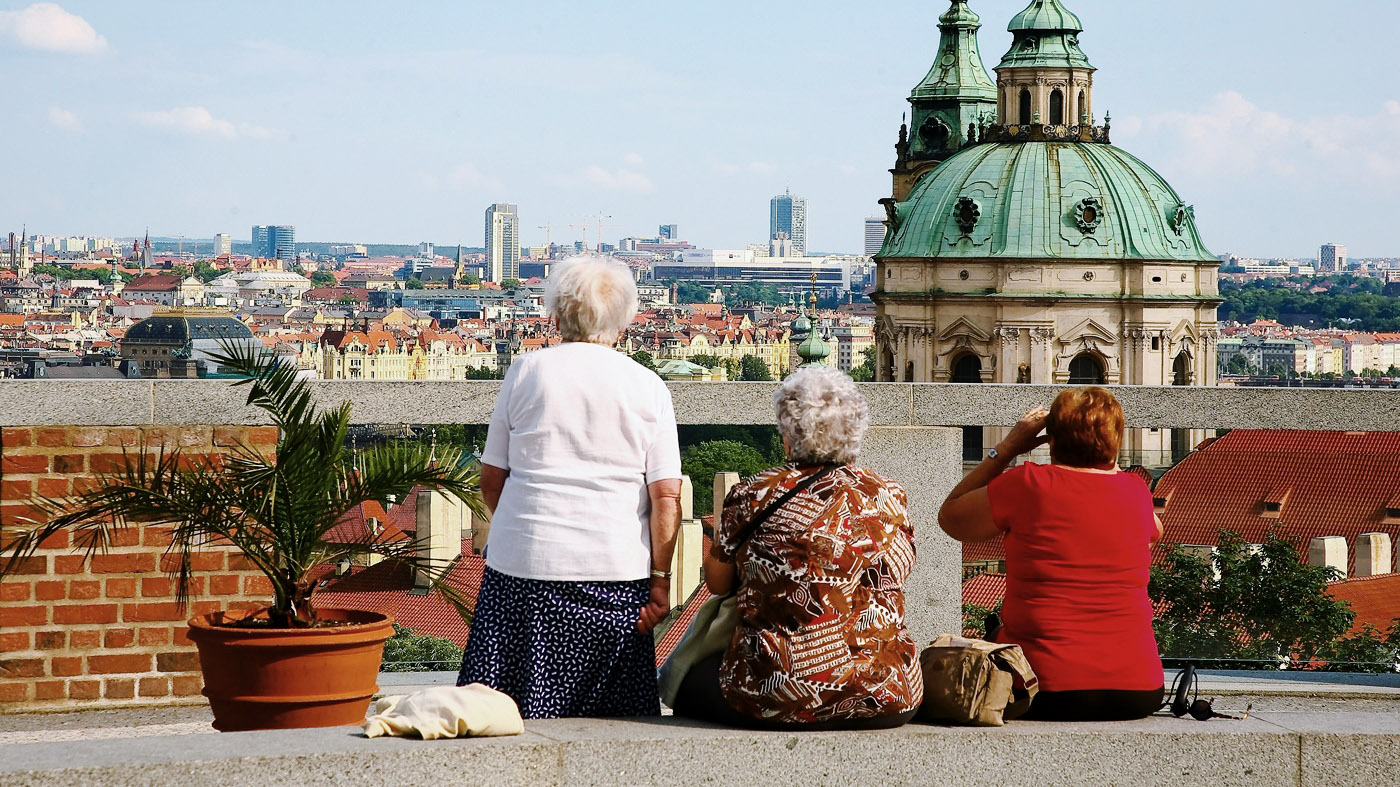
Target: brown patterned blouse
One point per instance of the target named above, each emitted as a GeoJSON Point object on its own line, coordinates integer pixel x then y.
{"type": "Point", "coordinates": [821, 634]}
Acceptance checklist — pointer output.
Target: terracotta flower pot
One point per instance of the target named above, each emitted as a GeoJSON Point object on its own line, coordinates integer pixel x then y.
{"type": "Point", "coordinates": [272, 679]}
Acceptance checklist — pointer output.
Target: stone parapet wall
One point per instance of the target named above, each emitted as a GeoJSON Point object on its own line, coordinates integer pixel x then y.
{"type": "Point", "coordinates": [107, 631]}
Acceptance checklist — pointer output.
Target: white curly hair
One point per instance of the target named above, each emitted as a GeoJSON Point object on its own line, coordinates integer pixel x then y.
{"type": "Point", "coordinates": [821, 415]}
{"type": "Point", "coordinates": [592, 298]}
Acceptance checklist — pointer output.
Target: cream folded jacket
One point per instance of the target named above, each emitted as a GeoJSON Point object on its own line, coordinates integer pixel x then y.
{"type": "Point", "coordinates": [446, 712]}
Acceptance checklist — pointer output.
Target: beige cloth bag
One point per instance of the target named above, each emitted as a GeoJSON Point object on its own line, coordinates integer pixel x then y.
{"type": "Point", "coordinates": [972, 681]}
{"type": "Point", "coordinates": [446, 712]}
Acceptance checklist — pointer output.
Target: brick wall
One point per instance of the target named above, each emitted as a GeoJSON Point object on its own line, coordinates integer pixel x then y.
{"type": "Point", "coordinates": [106, 631]}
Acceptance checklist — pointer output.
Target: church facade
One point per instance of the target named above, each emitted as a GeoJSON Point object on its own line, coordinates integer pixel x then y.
{"type": "Point", "coordinates": [1022, 245]}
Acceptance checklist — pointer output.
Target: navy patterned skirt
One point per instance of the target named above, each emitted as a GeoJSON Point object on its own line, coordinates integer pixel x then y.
{"type": "Point", "coordinates": [563, 648]}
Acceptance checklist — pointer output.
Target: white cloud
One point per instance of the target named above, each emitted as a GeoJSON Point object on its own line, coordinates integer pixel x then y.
{"type": "Point", "coordinates": [467, 177]}
{"type": "Point", "coordinates": [621, 179]}
{"type": "Point", "coordinates": [1233, 137]}
{"type": "Point", "coordinates": [199, 121]}
{"type": "Point", "coordinates": [47, 27]}
{"type": "Point", "coordinates": [633, 160]}
{"type": "Point", "coordinates": [65, 120]}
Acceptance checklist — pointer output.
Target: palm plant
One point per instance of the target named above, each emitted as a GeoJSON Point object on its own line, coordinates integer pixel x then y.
{"type": "Point", "coordinates": [276, 510]}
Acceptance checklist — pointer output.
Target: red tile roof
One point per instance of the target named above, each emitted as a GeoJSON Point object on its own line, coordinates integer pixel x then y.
{"type": "Point", "coordinates": [1328, 484]}
{"type": "Point", "coordinates": [984, 590]}
{"type": "Point", "coordinates": [673, 636]}
{"type": "Point", "coordinates": [388, 587]}
{"type": "Point", "coordinates": [1375, 600]}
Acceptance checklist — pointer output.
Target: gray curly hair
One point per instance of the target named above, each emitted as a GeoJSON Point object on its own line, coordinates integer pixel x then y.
{"type": "Point", "coordinates": [592, 298]}
{"type": "Point", "coordinates": [821, 415]}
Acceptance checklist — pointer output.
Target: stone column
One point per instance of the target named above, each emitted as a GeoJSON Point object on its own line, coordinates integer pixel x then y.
{"type": "Point", "coordinates": [1042, 367]}
{"type": "Point", "coordinates": [927, 463]}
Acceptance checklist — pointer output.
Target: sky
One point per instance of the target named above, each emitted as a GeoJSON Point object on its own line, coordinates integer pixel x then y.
{"type": "Point", "coordinates": [379, 122]}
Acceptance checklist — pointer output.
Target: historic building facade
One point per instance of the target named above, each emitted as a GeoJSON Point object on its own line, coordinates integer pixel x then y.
{"type": "Point", "coordinates": [1023, 246]}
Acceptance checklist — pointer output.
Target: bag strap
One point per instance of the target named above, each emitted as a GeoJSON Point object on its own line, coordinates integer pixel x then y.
{"type": "Point", "coordinates": [782, 501]}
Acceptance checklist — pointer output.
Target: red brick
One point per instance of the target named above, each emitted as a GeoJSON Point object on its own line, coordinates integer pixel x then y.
{"type": "Point", "coordinates": [155, 536]}
{"type": "Point", "coordinates": [132, 563]}
{"type": "Point", "coordinates": [70, 464]}
{"type": "Point", "coordinates": [22, 668]}
{"type": "Point", "coordinates": [13, 641]}
{"type": "Point", "coordinates": [154, 687]}
{"type": "Point", "coordinates": [239, 562]}
{"type": "Point", "coordinates": [152, 611]}
{"type": "Point", "coordinates": [119, 689]}
{"type": "Point", "coordinates": [110, 463]}
{"type": "Point", "coordinates": [160, 587]}
{"type": "Point", "coordinates": [180, 635]}
{"type": "Point", "coordinates": [53, 438]}
{"type": "Point", "coordinates": [206, 607]}
{"type": "Point", "coordinates": [257, 586]}
{"type": "Point", "coordinates": [229, 436]}
{"type": "Point", "coordinates": [14, 692]}
{"type": "Point", "coordinates": [53, 486]}
{"type": "Point", "coordinates": [35, 564]}
{"type": "Point", "coordinates": [15, 437]}
{"type": "Point", "coordinates": [118, 638]}
{"type": "Point", "coordinates": [87, 438]}
{"type": "Point", "coordinates": [23, 616]}
{"type": "Point", "coordinates": [50, 690]}
{"type": "Point", "coordinates": [66, 666]}
{"type": "Point", "coordinates": [83, 484]}
{"type": "Point", "coordinates": [84, 689]}
{"type": "Point", "coordinates": [69, 564]}
{"type": "Point", "coordinates": [32, 465]}
{"type": "Point", "coordinates": [84, 590]}
{"type": "Point", "coordinates": [85, 613]}
{"type": "Point", "coordinates": [187, 685]}
{"type": "Point", "coordinates": [18, 591]}
{"type": "Point", "coordinates": [263, 436]}
{"type": "Point", "coordinates": [121, 664]}
{"type": "Point", "coordinates": [84, 638]}
{"type": "Point", "coordinates": [16, 489]}
{"type": "Point", "coordinates": [153, 636]}
{"type": "Point", "coordinates": [121, 587]}
{"type": "Point", "coordinates": [122, 437]}
{"type": "Point", "coordinates": [128, 536]}
{"type": "Point", "coordinates": [58, 540]}
{"type": "Point", "coordinates": [187, 661]}
{"type": "Point", "coordinates": [50, 640]}
{"type": "Point", "coordinates": [208, 561]}
{"type": "Point", "coordinates": [51, 590]}
{"type": "Point", "coordinates": [223, 585]}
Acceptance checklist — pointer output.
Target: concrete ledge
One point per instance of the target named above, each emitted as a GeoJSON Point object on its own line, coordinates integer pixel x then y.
{"type": "Point", "coordinates": [177, 402]}
{"type": "Point", "coordinates": [1277, 748]}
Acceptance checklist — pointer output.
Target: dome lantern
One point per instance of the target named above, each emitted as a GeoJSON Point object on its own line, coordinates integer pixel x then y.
{"type": "Point", "coordinates": [1045, 79]}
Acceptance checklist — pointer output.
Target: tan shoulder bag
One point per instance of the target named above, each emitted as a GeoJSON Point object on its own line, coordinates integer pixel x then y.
{"type": "Point", "coordinates": [972, 681]}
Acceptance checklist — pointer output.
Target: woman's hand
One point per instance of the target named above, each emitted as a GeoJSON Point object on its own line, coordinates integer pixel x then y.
{"type": "Point", "coordinates": [658, 607]}
{"type": "Point", "coordinates": [1026, 435]}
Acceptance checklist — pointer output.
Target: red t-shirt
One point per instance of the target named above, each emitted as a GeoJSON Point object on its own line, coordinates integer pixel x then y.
{"type": "Point", "coordinates": [1078, 551]}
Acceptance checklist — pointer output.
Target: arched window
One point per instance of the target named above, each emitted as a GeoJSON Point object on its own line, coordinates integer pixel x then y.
{"type": "Point", "coordinates": [1181, 438]}
{"type": "Point", "coordinates": [909, 372]}
{"type": "Point", "coordinates": [1181, 370]}
{"type": "Point", "coordinates": [968, 369]}
{"type": "Point", "coordinates": [1086, 369]}
{"type": "Point", "coordinates": [1057, 108]}
{"type": "Point", "coordinates": [1025, 114]}
{"type": "Point", "coordinates": [1083, 106]}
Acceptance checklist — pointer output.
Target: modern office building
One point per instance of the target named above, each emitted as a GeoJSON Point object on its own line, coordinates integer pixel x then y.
{"type": "Point", "coordinates": [275, 242]}
{"type": "Point", "coordinates": [1332, 259]}
{"type": "Point", "coordinates": [669, 232]}
{"type": "Point", "coordinates": [502, 242]}
{"type": "Point", "coordinates": [223, 244]}
{"type": "Point", "coordinates": [874, 235]}
{"type": "Point", "coordinates": [789, 214]}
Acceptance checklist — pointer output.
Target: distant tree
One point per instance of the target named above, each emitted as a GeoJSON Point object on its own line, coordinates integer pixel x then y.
{"type": "Point", "coordinates": [206, 272]}
{"type": "Point", "coordinates": [707, 361]}
{"type": "Point", "coordinates": [689, 292]}
{"type": "Point", "coordinates": [511, 284]}
{"type": "Point", "coordinates": [407, 651]}
{"type": "Point", "coordinates": [348, 300]}
{"type": "Point", "coordinates": [645, 359]}
{"type": "Point", "coordinates": [703, 461]}
{"type": "Point", "coordinates": [733, 368]}
{"type": "Point", "coordinates": [485, 373]}
{"type": "Point", "coordinates": [1393, 371]}
{"type": "Point", "coordinates": [469, 279]}
{"type": "Point", "coordinates": [1367, 650]}
{"type": "Point", "coordinates": [1264, 605]}
{"type": "Point", "coordinates": [1238, 364]}
{"type": "Point", "coordinates": [413, 283]}
{"type": "Point", "coordinates": [865, 373]}
{"type": "Point", "coordinates": [324, 279]}
{"type": "Point", "coordinates": [753, 369]}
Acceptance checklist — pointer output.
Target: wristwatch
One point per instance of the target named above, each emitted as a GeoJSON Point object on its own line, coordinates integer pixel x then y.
{"type": "Point", "coordinates": [993, 454]}
{"type": "Point", "coordinates": [657, 574]}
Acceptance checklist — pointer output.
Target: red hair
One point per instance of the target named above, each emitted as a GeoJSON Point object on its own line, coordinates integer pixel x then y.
{"type": "Point", "coordinates": [1085, 427]}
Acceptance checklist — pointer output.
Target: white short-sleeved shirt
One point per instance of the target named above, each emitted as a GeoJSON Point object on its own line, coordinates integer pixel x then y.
{"type": "Point", "coordinates": [583, 429]}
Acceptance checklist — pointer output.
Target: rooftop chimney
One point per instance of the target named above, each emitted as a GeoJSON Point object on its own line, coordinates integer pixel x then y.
{"type": "Point", "coordinates": [1372, 554]}
{"type": "Point", "coordinates": [441, 522]}
{"type": "Point", "coordinates": [1329, 551]}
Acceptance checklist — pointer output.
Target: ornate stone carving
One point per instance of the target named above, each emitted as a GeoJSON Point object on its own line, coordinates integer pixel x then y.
{"type": "Point", "coordinates": [1088, 214]}
{"type": "Point", "coordinates": [1180, 217]}
{"type": "Point", "coordinates": [967, 212]}
{"type": "Point", "coordinates": [1042, 336]}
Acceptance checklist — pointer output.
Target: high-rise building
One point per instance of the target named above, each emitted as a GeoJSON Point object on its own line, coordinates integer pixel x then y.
{"type": "Point", "coordinates": [1332, 259]}
{"type": "Point", "coordinates": [502, 242]}
{"type": "Point", "coordinates": [789, 214]}
{"type": "Point", "coordinates": [669, 232]}
{"type": "Point", "coordinates": [223, 244]}
{"type": "Point", "coordinates": [874, 235]}
{"type": "Point", "coordinates": [275, 242]}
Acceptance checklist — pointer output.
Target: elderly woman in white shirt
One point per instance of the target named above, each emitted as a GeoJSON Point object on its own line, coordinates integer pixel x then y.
{"type": "Point", "coordinates": [582, 473]}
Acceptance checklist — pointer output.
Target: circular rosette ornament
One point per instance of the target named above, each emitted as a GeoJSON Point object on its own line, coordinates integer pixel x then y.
{"type": "Point", "coordinates": [967, 213]}
{"type": "Point", "coordinates": [1088, 214]}
{"type": "Point", "coordinates": [1179, 217]}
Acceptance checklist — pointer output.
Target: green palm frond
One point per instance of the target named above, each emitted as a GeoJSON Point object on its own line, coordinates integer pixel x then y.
{"type": "Point", "coordinates": [277, 510]}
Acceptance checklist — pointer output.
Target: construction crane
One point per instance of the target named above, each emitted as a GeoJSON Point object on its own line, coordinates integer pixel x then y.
{"type": "Point", "coordinates": [548, 229]}
{"type": "Point", "coordinates": [583, 227]}
{"type": "Point", "coordinates": [600, 233]}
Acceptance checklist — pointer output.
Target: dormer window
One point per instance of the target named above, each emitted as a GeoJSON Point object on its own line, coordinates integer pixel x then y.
{"type": "Point", "coordinates": [1273, 503]}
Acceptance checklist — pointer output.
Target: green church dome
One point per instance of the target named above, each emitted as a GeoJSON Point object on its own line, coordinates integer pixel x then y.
{"type": "Point", "coordinates": [1045, 200]}
{"type": "Point", "coordinates": [1045, 15]}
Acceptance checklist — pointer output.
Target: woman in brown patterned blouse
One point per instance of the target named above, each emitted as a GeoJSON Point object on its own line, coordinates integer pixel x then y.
{"type": "Point", "coordinates": [821, 641]}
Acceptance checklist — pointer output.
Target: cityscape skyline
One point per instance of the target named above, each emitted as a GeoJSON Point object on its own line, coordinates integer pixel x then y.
{"type": "Point", "coordinates": [277, 125]}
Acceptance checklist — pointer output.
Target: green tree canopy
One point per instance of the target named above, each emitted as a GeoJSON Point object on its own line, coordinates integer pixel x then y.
{"type": "Point", "coordinates": [753, 369]}
{"type": "Point", "coordinates": [324, 279]}
{"type": "Point", "coordinates": [701, 463]}
{"type": "Point", "coordinates": [645, 359]}
{"type": "Point", "coordinates": [707, 361]}
{"type": "Point", "coordinates": [511, 284]}
{"type": "Point", "coordinates": [865, 373]}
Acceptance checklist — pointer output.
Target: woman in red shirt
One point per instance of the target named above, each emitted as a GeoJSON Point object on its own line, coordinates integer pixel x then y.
{"type": "Point", "coordinates": [1078, 534]}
